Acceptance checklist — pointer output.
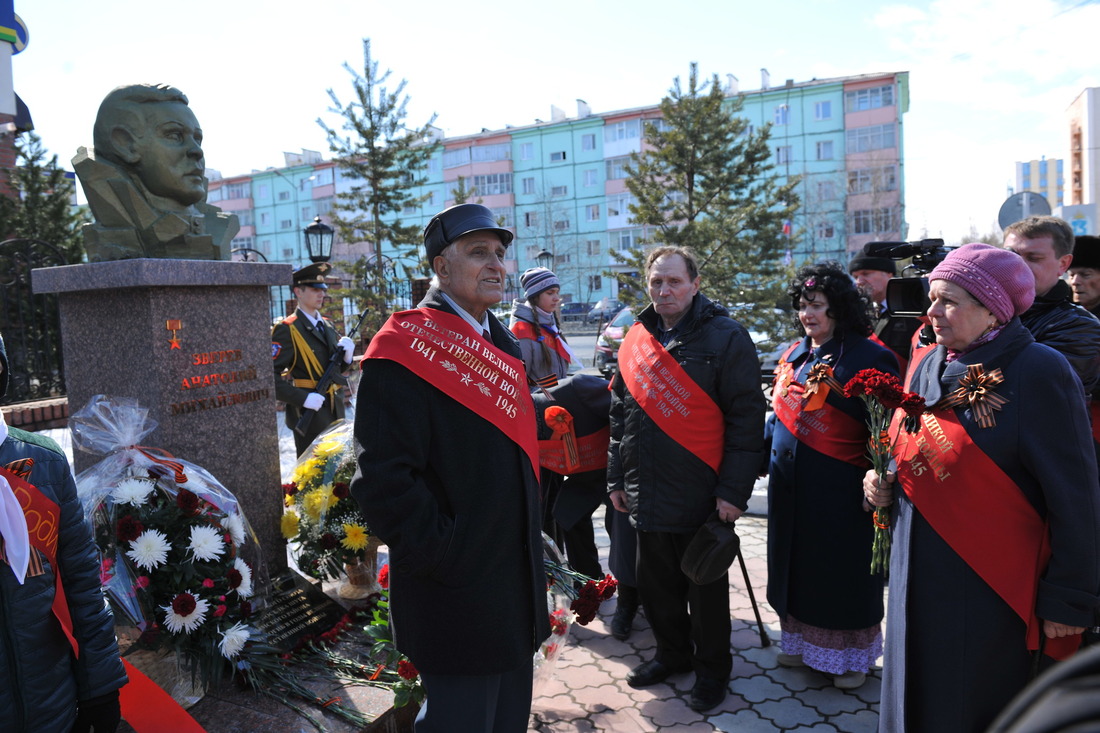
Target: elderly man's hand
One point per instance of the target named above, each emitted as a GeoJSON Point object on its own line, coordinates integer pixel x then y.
{"type": "Point", "coordinates": [878, 491]}
{"type": "Point", "coordinates": [727, 512]}
{"type": "Point", "coordinates": [1054, 630]}
{"type": "Point", "coordinates": [618, 500]}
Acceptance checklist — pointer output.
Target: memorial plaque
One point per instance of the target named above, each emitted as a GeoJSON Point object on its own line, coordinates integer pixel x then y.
{"type": "Point", "coordinates": [296, 608]}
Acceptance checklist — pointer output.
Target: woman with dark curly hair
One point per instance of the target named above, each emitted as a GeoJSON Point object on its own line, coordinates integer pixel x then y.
{"type": "Point", "coordinates": [819, 536]}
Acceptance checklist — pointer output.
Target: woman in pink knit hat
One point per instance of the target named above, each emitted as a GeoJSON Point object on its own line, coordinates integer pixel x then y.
{"type": "Point", "coordinates": [995, 568]}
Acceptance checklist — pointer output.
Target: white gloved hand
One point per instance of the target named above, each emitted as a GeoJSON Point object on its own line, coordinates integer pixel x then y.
{"type": "Point", "coordinates": [348, 346]}
{"type": "Point", "coordinates": [314, 401]}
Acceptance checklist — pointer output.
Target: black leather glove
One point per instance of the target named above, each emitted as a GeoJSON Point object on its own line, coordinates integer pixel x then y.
{"type": "Point", "coordinates": [98, 714]}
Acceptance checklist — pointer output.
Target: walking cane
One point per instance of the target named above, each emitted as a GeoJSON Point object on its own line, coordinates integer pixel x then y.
{"type": "Point", "coordinates": [765, 640]}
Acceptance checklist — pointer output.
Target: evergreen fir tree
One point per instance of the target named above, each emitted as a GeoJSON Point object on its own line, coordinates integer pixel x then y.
{"type": "Point", "coordinates": [41, 207]}
{"type": "Point", "coordinates": [704, 180]}
{"type": "Point", "coordinates": [385, 161]}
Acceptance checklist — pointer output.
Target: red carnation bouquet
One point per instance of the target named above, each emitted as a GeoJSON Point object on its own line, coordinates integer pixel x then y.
{"type": "Point", "coordinates": [883, 394]}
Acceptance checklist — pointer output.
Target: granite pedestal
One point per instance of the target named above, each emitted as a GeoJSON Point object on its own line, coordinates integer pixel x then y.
{"type": "Point", "coordinates": [191, 341]}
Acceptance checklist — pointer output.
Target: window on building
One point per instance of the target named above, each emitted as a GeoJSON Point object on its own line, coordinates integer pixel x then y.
{"type": "Point", "coordinates": [239, 242]}
{"type": "Point", "coordinates": [323, 206]}
{"type": "Point", "coordinates": [783, 155]}
{"type": "Point", "coordinates": [823, 110]}
{"type": "Point", "coordinates": [488, 153]}
{"type": "Point", "coordinates": [238, 190]}
{"type": "Point", "coordinates": [872, 98]}
{"type": "Point", "coordinates": [826, 190]}
{"type": "Point", "coordinates": [504, 216]}
{"type": "Point", "coordinates": [592, 212]}
{"type": "Point", "coordinates": [288, 253]}
{"type": "Point", "coordinates": [244, 217]}
{"type": "Point", "coordinates": [625, 238]}
{"type": "Point", "coordinates": [456, 157]}
{"type": "Point", "coordinates": [265, 247]}
{"type": "Point", "coordinates": [869, 180]}
{"type": "Point", "coordinates": [559, 190]}
{"type": "Point", "coordinates": [590, 177]}
{"type": "Point", "coordinates": [824, 149]}
{"type": "Point", "coordinates": [533, 251]}
{"type": "Point", "coordinates": [265, 218]}
{"type": "Point", "coordinates": [531, 218]}
{"type": "Point", "coordinates": [588, 141]}
{"type": "Point", "coordinates": [619, 204]}
{"type": "Point", "coordinates": [284, 195]}
{"type": "Point", "coordinates": [782, 114]}
{"type": "Point", "coordinates": [307, 213]}
{"type": "Point", "coordinates": [286, 223]}
{"type": "Point", "coordinates": [529, 185]}
{"type": "Point", "coordinates": [660, 124]}
{"type": "Point", "coordinates": [623, 130]}
{"type": "Point", "coordinates": [561, 225]}
{"type": "Point", "coordinates": [592, 247]}
{"type": "Point", "coordinates": [526, 151]}
{"type": "Point", "coordinates": [493, 183]}
{"type": "Point", "coordinates": [215, 194]}
{"type": "Point", "coordinates": [873, 221]}
{"type": "Point", "coordinates": [410, 208]}
{"type": "Point", "coordinates": [873, 137]}
{"type": "Point", "coordinates": [557, 156]}
{"type": "Point", "coordinates": [824, 230]}
{"type": "Point", "coordinates": [616, 167]}
{"type": "Point", "coordinates": [595, 283]}
{"type": "Point", "coordinates": [263, 192]}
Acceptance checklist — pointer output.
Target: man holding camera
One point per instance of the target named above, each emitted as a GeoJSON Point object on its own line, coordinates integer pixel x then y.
{"type": "Point", "coordinates": [872, 273]}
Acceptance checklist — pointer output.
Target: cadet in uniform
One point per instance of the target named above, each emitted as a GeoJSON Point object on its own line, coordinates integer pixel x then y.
{"type": "Point", "coordinates": [302, 344]}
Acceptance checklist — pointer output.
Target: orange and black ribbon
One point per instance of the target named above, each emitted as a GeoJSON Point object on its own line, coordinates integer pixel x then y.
{"type": "Point", "coordinates": [975, 390]}
{"type": "Point", "coordinates": [819, 380]}
{"type": "Point", "coordinates": [560, 422]}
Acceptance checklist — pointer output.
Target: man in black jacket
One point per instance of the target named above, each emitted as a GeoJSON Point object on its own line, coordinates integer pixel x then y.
{"type": "Point", "coordinates": [1046, 244]}
{"type": "Point", "coordinates": [447, 479]}
{"type": "Point", "coordinates": [1084, 273]}
{"type": "Point", "coordinates": [687, 417]}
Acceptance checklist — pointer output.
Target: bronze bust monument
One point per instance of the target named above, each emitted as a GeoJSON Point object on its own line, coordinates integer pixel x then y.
{"type": "Point", "coordinates": [145, 181]}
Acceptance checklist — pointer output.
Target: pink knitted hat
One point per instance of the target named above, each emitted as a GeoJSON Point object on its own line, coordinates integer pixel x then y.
{"type": "Point", "coordinates": [998, 278]}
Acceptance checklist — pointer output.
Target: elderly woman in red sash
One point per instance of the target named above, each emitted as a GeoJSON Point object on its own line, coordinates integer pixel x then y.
{"type": "Point", "coordinates": [819, 538]}
{"type": "Point", "coordinates": [996, 549]}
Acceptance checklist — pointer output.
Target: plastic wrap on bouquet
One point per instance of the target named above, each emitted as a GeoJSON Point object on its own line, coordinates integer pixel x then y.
{"type": "Point", "coordinates": [327, 533]}
{"type": "Point", "coordinates": [558, 600]}
{"type": "Point", "coordinates": [179, 560]}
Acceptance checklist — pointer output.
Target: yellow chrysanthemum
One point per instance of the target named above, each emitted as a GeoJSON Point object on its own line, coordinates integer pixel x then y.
{"type": "Point", "coordinates": [289, 525]}
{"type": "Point", "coordinates": [355, 537]}
{"type": "Point", "coordinates": [307, 471]}
{"type": "Point", "coordinates": [328, 448]}
{"type": "Point", "coordinates": [318, 501]}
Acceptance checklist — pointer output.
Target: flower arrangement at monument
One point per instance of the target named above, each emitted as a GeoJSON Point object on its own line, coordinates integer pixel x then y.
{"type": "Point", "coordinates": [322, 521]}
{"type": "Point", "coordinates": [177, 554]}
{"type": "Point", "coordinates": [883, 394]}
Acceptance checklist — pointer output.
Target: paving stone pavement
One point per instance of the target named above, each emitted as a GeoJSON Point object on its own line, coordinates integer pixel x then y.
{"type": "Point", "coordinates": [588, 690]}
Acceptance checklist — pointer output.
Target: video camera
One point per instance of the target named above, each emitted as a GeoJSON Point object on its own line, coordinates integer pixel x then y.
{"type": "Point", "coordinates": [908, 296]}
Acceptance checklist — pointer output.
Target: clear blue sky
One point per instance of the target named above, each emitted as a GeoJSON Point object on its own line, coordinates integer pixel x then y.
{"type": "Point", "coordinates": [990, 80]}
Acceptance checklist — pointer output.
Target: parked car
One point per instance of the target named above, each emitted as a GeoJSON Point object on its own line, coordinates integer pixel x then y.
{"type": "Point", "coordinates": [606, 357]}
{"type": "Point", "coordinates": [604, 309]}
{"type": "Point", "coordinates": [574, 311]}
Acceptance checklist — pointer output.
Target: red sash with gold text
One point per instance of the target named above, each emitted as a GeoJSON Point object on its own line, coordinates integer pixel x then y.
{"type": "Point", "coordinates": [43, 524]}
{"type": "Point", "coordinates": [982, 515]}
{"type": "Point", "coordinates": [443, 350]}
{"type": "Point", "coordinates": [679, 406]}
{"type": "Point", "coordinates": [591, 450]}
{"type": "Point", "coordinates": [827, 430]}
{"type": "Point", "coordinates": [525, 330]}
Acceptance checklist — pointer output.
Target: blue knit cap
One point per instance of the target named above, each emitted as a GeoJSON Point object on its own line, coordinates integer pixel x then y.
{"type": "Point", "coordinates": [536, 280]}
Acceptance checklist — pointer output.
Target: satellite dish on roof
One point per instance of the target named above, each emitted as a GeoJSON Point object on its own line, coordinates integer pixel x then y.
{"type": "Point", "coordinates": [1020, 206]}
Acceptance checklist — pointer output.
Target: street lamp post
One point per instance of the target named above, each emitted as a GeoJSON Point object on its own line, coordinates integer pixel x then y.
{"type": "Point", "coordinates": [545, 259]}
{"type": "Point", "coordinates": [319, 238]}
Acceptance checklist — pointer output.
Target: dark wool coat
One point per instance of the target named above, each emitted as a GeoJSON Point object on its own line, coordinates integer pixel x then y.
{"type": "Point", "coordinates": [288, 361]}
{"type": "Point", "coordinates": [668, 488]}
{"type": "Point", "coordinates": [955, 652]}
{"type": "Point", "coordinates": [819, 536]}
{"type": "Point", "coordinates": [457, 502]}
{"type": "Point", "coordinates": [40, 681]}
